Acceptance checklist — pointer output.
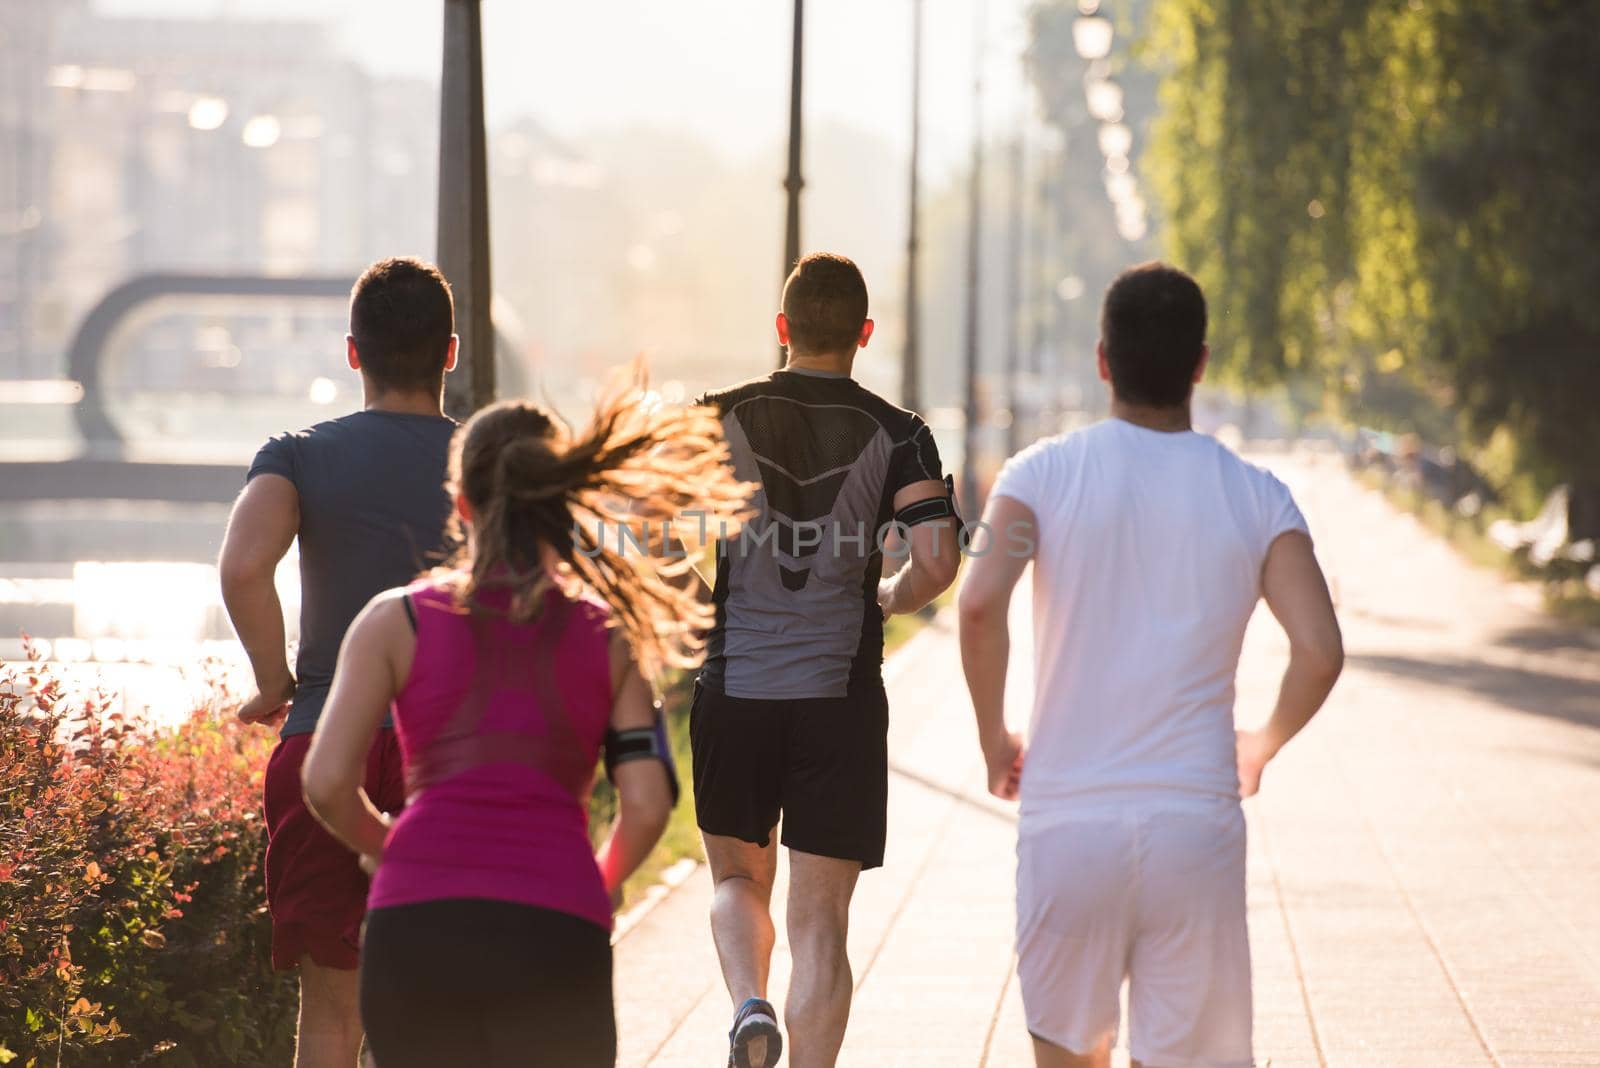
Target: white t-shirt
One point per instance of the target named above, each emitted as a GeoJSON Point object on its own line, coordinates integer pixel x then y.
{"type": "Point", "coordinates": [1147, 567]}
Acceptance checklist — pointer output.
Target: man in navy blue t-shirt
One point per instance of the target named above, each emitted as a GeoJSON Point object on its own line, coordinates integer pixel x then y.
{"type": "Point", "coordinates": [365, 496]}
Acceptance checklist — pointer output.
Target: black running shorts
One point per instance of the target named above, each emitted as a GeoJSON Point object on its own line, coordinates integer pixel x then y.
{"type": "Point", "coordinates": [491, 984]}
{"type": "Point", "coordinates": [822, 762]}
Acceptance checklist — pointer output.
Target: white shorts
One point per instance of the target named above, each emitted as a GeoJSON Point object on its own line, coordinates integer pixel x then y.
{"type": "Point", "coordinates": [1153, 895]}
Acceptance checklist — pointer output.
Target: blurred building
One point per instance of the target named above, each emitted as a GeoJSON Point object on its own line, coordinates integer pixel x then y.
{"type": "Point", "coordinates": [27, 31]}
{"type": "Point", "coordinates": [218, 146]}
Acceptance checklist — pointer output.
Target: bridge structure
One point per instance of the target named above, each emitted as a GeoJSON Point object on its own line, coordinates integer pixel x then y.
{"type": "Point", "coordinates": [103, 470]}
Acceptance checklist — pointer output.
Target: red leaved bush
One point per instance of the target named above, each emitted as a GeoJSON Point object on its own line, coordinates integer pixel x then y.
{"type": "Point", "coordinates": [133, 925]}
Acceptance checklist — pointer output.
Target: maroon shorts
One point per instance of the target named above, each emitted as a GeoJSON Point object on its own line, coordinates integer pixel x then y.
{"type": "Point", "coordinates": [316, 890]}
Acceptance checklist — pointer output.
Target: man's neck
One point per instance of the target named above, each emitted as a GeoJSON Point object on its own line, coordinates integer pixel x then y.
{"type": "Point", "coordinates": [402, 402]}
{"type": "Point", "coordinates": [822, 361]}
{"type": "Point", "coordinates": [1169, 419]}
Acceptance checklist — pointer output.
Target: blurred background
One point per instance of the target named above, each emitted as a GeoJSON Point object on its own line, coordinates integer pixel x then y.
{"type": "Point", "coordinates": [1389, 205]}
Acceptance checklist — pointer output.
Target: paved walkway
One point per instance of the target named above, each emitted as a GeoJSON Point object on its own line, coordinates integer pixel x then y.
{"type": "Point", "coordinates": [1424, 861]}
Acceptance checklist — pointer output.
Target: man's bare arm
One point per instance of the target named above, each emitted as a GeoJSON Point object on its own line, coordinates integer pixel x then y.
{"type": "Point", "coordinates": [263, 525]}
{"type": "Point", "coordinates": [984, 605]}
{"type": "Point", "coordinates": [935, 555]}
{"type": "Point", "coordinates": [374, 661]}
{"type": "Point", "coordinates": [1295, 590]}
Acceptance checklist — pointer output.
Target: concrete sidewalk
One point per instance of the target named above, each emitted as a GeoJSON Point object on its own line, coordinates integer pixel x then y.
{"type": "Point", "coordinates": [1424, 861]}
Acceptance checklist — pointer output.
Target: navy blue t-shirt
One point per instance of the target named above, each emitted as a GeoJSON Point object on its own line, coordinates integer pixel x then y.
{"type": "Point", "coordinates": [373, 509]}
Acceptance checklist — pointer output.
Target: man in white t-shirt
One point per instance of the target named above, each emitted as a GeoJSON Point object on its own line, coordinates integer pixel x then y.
{"type": "Point", "coordinates": [1151, 545]}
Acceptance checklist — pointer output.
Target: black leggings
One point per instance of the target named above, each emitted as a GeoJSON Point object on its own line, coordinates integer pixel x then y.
{"type": "Point", "coordinates": [486, 983]}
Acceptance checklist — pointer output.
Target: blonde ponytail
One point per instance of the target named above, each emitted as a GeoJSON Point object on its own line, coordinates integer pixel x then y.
{"type": "Point", "coordinates": [640, 467]}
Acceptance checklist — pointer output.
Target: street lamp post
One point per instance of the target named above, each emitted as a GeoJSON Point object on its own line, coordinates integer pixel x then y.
{"type": "Point", "coordinates": [910, 366]}
{"type": "Point", "coordinates": [969, 432]}
{"type": "Point", "coordinates": [1014, 254]}
{"type": "Point", "coordinates": [1042, 357]}
{"type": "Point", "coordinates": [1057, 367]}
{"type": "Point", "coordinates": [464, 206]}
{"type": "Point", "coordinates": [793, 182]}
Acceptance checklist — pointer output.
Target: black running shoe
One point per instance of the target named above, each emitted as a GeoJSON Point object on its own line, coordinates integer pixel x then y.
{"type": "Point", "coordinates": [755, 1041]}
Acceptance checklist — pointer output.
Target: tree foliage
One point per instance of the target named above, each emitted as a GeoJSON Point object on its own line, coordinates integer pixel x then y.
{"type": "Point", "coordinates": [1377, 194]}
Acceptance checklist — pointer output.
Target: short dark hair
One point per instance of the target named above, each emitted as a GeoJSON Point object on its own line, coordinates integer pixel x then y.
{"type": "Point", "coordinates": [1153, 327]}
{"type": "Point", "coordinates": [825, 301]}
{"type": "Point", "coordinates": [402, 316]}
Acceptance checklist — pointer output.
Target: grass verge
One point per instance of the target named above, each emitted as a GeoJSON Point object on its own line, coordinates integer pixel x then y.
{"type": "Point", "coordinates": [1566, 598]}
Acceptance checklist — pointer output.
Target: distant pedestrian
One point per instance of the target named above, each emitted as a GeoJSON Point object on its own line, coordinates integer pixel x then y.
{"type": "Point", "coordinates": [510, 673]}
{"type": "Point", "coordinates": [789, 712]}
{"type": "Point", "coordinates": [364, 494]}
{"type": "Point", "coordinates": [1151, 545]}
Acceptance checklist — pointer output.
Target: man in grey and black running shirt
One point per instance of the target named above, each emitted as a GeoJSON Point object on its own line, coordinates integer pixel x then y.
{"type": "Point", "coordinates": [789, 713]}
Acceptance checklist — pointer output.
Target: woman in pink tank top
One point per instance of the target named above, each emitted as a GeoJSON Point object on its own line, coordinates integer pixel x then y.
{"type": "Point", "coordinates": [509, 674]}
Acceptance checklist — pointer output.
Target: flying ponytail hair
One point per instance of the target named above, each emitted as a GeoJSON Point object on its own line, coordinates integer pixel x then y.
{"type": "Point", "coordinates": [536, 490]}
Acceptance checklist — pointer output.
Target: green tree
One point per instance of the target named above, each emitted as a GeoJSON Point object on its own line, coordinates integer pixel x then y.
{"type": "Point", "coordinates": [1390, 201]}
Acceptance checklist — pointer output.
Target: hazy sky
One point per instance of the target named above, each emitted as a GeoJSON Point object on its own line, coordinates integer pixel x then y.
{"type": "Point", "coordinates": [717, 67]}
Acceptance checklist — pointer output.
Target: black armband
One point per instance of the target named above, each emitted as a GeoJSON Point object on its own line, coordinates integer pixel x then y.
{"type": "Point", "coordinates": [933, 508]}
{"type": "Point", "coordinates": [642, 743]}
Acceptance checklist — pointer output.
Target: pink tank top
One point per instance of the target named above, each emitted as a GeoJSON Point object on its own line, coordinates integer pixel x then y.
{"type": "Point", "coordinates": [500, 727]}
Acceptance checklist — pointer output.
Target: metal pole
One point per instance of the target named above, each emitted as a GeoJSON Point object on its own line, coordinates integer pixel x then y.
{"type": "Point", "coordinates": [1036, 293]}
{"type": "Point", "coordinates": [464, 206]}
{"type": "Point", "coordinates": [1014, 253]}
{"type": "Point", "coordinates": [1051, 309]}
{"type": "Point", "coordinates": [910, 361]}
{"type": "Point", "coordinates": [793, 183]}
{"type": "Point", "coordinates": [969, 435]}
